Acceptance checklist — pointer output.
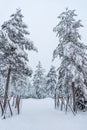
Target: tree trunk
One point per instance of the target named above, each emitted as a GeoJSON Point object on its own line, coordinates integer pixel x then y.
{"type": "Point", "coordinates": [13, 102]}
{"type": "Point", "coordinates": [67, 102]}
{"type": "Point", "coordinates": [18, 104]}
{"type": "Point", "coordinates": [6, 89]}
{"type": "Point", "coordinates": [10, 108]}
{"type": "Point", "coordinates": [73, 93]}
{"type": "Point", "coordinates": [1, 107]}
{"type": "Point", "coordinates": [61, 104]}
{"type": "Point", "coordinates": [58, 101]}
{"type": "Point", "coordinates": [55, 99]}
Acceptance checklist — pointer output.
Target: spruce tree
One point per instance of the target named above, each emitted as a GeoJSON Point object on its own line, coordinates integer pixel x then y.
{"type": "Point", "coordinates": [39, 81]}
{"type": "Point", "coordinates": [73, 55]}
{"type": "Point", "coordinates": [51, 82]}
{"type": "Point", "coordinates": [14, 42]}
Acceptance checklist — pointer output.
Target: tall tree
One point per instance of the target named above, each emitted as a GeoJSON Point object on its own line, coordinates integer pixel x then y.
{"type": "Point", "coordinates": [39, 82]}
{"type": "Point", "coordinates": [72, 53]}
{"type": "Point", "coordinates": [13, 45]}
{"type": "Point", "coordinates": [51, 81]}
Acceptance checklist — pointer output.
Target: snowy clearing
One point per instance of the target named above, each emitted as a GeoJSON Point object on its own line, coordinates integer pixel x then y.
{"type": "Point", "coordinates": [41, 115]}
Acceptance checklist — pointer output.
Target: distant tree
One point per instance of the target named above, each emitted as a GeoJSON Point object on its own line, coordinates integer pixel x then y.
{"type": "Point", "coordinates": [22, 87]}
{"type": "Point", "coordinates": [73, 56]}
{"type": "Point", "coordinates": [19, 86]}
{"type": "Point", "coordinates": [28, 90]}
{"type": "Point", "coordinates": [51, 81]}
{"type": "Point", "coordinates": [39, 82]}
{"type": "Point", "coordinates": [13, 46]}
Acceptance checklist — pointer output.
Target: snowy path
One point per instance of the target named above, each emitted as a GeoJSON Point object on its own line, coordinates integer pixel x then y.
{"type": "Point", "coordinates": [40, 115]}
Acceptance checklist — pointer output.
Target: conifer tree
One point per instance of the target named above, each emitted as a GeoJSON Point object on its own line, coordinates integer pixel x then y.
{"type": "Point", "coordinates": [73, 55]}
{"type": "Point", "coordinates": [51, 81]}
{"type": "Point", "coordinates": [14, 42]}
{"type": "Point", "coordinates": [39, 82]}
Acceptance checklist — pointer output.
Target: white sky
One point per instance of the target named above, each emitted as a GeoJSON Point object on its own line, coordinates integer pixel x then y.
{"type": "Point", "coordinates": [41, 17]}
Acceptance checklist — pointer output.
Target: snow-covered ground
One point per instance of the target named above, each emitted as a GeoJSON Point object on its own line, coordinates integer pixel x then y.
{"type": "Point", "coordinates": [41, 115]}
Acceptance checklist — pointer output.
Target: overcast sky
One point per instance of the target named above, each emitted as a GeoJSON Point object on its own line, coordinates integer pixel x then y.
{"type": "Point", "coordinates": [41, 17]}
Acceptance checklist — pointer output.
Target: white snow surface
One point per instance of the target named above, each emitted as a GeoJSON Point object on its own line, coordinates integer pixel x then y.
{"type": "Point", "coordinates": [39, 114]}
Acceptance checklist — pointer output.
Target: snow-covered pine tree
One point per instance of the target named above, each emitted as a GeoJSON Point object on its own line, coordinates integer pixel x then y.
{"type": "Point", "coordinates": [14, 42]}
{"type": "Point", "coordinates": [28, 90]}
{"type": "Point", "coordinates": [73, 56]}
{"type": "Point", "coordinates": [22, 87]}
{"type": "Point", "coordinates": [39, 81]}
{"type": "Point", "coordinates": [19, 87]}
{"type": "Point", "coordinates": [51, 82]}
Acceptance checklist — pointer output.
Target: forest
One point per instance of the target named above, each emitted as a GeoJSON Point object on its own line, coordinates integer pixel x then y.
{"type": "Point", "coordinates": [66, 84]}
